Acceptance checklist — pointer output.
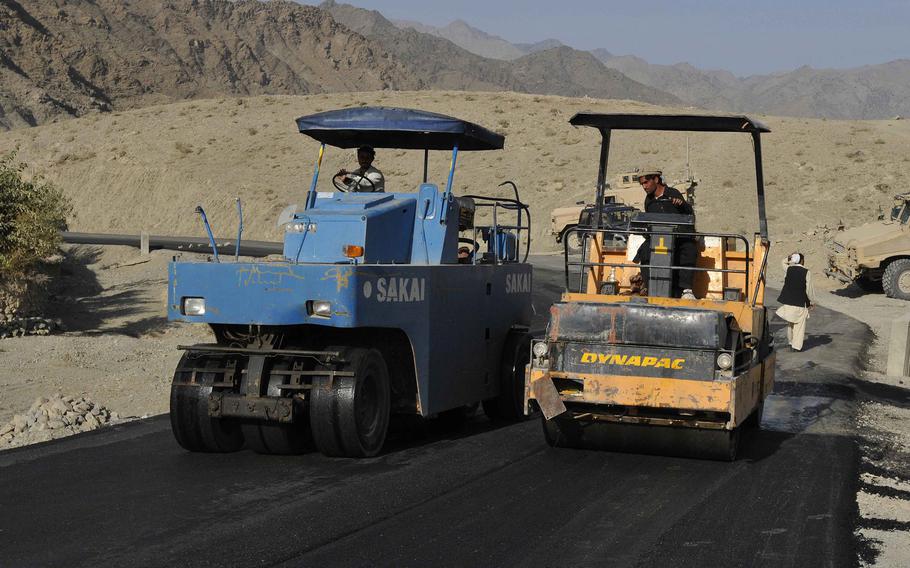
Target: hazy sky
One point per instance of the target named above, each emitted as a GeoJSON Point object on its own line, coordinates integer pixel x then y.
{"type": "Point", "coordinates": [746, 38]}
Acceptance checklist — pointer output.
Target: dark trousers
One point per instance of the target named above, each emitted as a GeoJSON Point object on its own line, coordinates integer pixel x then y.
{"type": "Point", "coordinates": [686, 254]}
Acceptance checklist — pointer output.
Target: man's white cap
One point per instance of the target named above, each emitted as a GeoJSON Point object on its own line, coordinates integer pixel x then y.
{"type": "Point", "coordinates": [794, 258]}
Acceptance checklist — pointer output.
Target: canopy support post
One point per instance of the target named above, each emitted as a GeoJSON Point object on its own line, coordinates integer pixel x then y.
{"type": "Point", "coordinates": [426, 160]}
{"type": "Point", "coordinates": [760, 186]}
{"type": "Point", "coordinates": [448, 192]}
{"type": "Point", "coordinates": [311, 195]}
{"type": "Point", "coordinates": [602, 173]}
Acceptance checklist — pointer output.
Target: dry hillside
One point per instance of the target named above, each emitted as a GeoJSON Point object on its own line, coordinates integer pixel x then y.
{"type": "Point", "coordinates": [148, 168]}
{"type": "Point", "coordinates": [70, 57]}
{"type": "Point", "coordinates": [444, 65]}
{"type": "Point", "coordinates": [62, 58]}
{"type": "Point", "coordinates": [868, 92]}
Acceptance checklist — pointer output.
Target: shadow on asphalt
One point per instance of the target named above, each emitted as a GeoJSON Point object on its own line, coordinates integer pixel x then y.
{"type": "Point", "coordinates": [757, 445]}
{"type": "Point", "coordinates": [816, 341]}
{"type": "Point", "coordinates": [407, 432]}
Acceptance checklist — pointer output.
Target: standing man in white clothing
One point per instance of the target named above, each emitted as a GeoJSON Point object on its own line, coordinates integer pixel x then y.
{"type": "Point", "coordinates": [797, 297]}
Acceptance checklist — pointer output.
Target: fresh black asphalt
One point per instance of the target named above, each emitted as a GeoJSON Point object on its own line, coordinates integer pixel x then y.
{"type": "Point", "coordinates": [481, 495]}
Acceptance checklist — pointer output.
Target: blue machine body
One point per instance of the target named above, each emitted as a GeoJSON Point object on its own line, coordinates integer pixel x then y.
{"type": "Point", "coordinates": [408, 278]}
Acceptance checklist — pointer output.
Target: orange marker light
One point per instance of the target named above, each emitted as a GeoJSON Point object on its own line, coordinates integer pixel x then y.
{"type": "Point", "coordinates": [353, 251]}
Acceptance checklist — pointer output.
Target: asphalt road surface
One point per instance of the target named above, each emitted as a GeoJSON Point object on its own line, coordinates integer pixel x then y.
{"type": "Point", "coordinates": [480, 495]}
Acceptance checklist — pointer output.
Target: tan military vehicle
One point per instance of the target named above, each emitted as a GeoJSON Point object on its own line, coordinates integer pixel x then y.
{"type": "Point", "coordinates": [875, 254]}
{"type": "Point", "coordinates": [624, 189]}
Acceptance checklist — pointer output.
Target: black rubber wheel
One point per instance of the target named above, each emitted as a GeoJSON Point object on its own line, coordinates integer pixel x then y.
{"type": "Point", "coordinates": [509, 403]}
{"type": "Point", "coordinates": [349, 416]}
{"type": "Point", "coordinates": [275, 437]}
{"type": "Point", "coordinates": [193, 428]}
{"type": "Point", "coordinates": [896, 279]}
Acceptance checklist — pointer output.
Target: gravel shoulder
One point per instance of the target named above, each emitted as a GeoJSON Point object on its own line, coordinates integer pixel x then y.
{"type": "Point", "coordinates": [882, 429]}
{"type": "Point", "coordinates": [118, 348]}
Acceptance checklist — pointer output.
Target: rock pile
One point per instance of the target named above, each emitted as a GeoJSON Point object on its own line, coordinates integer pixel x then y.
{"type": "Point", "coordinates": [54, 417]}
{"type": "Point", "coordinates": [18, 327]}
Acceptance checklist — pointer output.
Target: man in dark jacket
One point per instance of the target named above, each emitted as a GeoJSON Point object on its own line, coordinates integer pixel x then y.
{"type": "Point", "coordinates": [796, 297]}
{"type": "Point", "coordinates": [662, 198]}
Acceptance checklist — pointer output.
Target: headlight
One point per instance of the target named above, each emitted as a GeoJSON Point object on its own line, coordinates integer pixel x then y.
{"type": "Point", "coordinates": [319, 308]}
{"type": "Point", "coordinates": [301, 227]}
{"type": "Point", "coordinates": [193, 306]}
{"type": "Point", "coordinates": [540, 349]}
{"type": "Point", "coordinates": [724, 361]}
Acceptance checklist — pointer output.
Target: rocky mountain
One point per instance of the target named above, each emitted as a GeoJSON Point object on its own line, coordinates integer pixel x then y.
{"type": "Point", "coordinates": [444, 65]}
{"type": "Point", "coordinates": [437, 61]}
{"type": "Point", "coordinates": [542, 45]}
{"type": "Point", "coordinates": [69, 57]}
{"type": "Point", "coordinates": [874, 91]}
{"type": "Point", "coordinates": [471, 39]}
{"type": "Point", "coordinates": [578, 73]}
{"type": "Point", "coordinates": [870, 92]}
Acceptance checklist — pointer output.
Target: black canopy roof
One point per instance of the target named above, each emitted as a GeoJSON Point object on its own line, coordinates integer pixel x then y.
{"type": "Point", "coordinates": [683, 122]}
{"type": "Point", "coordinates": [388, 127]}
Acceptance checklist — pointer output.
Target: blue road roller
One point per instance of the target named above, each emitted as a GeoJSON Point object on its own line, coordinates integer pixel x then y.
{"type": "Point", "coordinates": [382, 303]}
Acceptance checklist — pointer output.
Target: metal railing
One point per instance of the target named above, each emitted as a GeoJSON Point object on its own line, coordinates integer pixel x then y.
{"type": "Point", "coordinates": [496, 231]}
{"type": "Point", "coordinates": [588, 233]}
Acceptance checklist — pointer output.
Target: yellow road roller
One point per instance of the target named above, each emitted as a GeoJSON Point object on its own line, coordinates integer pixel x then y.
{"type": "Point", "coordinates": [628, 363]}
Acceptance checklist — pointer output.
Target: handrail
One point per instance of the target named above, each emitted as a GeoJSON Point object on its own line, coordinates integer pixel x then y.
{"type": "Point", "coordinates": [588, 232]}
{"type": "Point", "coordinates": [495, 228]}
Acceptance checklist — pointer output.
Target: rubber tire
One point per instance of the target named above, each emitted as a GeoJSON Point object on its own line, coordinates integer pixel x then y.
{"type": "Point", "coordinates": [891, 279]}
{"type": "Point", "coordinates": [274, 437]}
{"type": "Point", "coordinates": [573, 241]}
{"type": "Point", "coordinates": [349, 417]}
{"type": "Point", "coordinates": [508, 405]}
{"type": "Point", "coordinates": [191, 424]}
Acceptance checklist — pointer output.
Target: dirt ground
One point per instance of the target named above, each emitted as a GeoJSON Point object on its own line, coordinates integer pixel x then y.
{"type": "Point", "coordinates": [118, 346]}
{"type": "Point", "coordinates": [147, 169]}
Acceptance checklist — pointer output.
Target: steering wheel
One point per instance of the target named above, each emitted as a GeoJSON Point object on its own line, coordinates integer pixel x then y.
{"type": "Point", "coordinates": [471, 242]}
{"type": "Point", "coordinates": [338, 181]}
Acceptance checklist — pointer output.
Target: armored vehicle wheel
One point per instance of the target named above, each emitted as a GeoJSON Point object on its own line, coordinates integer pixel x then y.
{"type": "Point", "coordinates": [509, 404]}
{"type": "Point", "coordinates": [574, 242]}
{"type": "Point", "coordinates": [193, 428]}
{"type": "Point", "coordinates": [896, 279]}
{"type": "Point", "coordinates": [274, 437]}
{"type": "Point", "coordinates": [349, 415]}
